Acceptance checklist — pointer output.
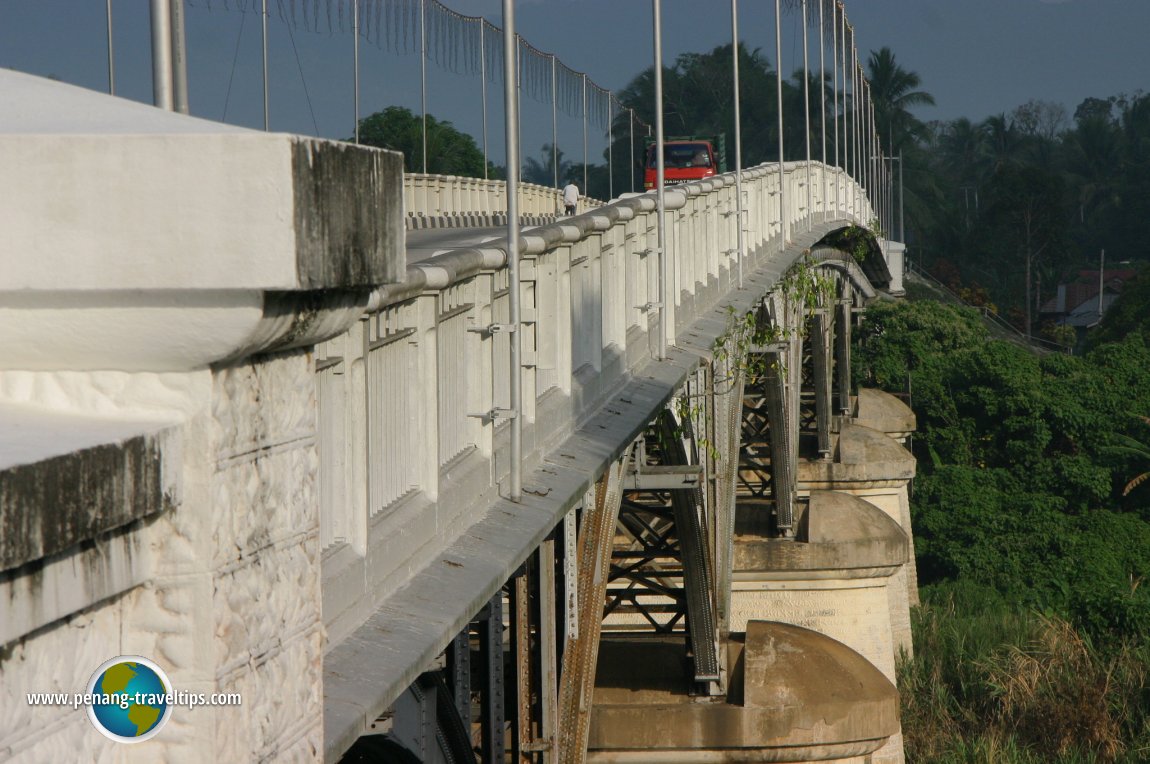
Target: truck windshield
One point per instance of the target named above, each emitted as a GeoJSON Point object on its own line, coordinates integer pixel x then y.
{"type": "Point", "coordinates": [681, 155]}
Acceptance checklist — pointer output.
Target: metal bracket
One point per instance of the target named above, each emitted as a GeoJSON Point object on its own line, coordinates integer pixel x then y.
{"type": "Point", "coordinates": [493, 329]}
{"type": "Point", "coordinates": [648, 307]}
{"type": "Point", "coordinates": [496, 413]}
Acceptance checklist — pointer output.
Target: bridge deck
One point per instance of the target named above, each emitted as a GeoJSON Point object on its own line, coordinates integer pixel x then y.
{"type": "Point", "coordinates": [369, 669]}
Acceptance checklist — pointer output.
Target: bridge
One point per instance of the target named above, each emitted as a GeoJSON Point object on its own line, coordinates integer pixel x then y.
{"type": "Point", "coordinates": [259, 424]}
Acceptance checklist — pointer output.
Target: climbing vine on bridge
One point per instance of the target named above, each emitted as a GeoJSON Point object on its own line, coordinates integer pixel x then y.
{"type": "Point", "coordinates": [740, 352]}
{"type": "Point", "coordinates": [856, 240]}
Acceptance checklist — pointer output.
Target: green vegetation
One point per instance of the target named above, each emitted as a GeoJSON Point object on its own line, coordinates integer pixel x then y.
{"type": "Point", "coordinates": [991, 682]}
{"type": "Point", "coordinates": [1033, 640]}
{"type": "Point", "coordinates": [1013, 205]}
{"type": "Point", "coordinates": [449, 152]}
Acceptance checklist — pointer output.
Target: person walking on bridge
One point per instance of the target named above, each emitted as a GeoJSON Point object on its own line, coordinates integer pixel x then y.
{"type": "Point", "coordinates": [570, 197]}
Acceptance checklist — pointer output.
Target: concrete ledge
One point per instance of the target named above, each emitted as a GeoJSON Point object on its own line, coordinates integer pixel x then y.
{"type": "Point", "coordinates": [884, 412]}
{"type": "Point", "coordinates": [795, 695]}
{"type": "Point", "coordinates": [140, 198]}
{"type": "Point", "coordinates": [861, 455]}
{"type": "Point", "coordinates": [140, 239]}
{"type": "Point", "coordinates": [74, 491]}
{"type": "Point", "coordinates": [839, 535]}
{"type": "Point", "coordinates": [66, 479]}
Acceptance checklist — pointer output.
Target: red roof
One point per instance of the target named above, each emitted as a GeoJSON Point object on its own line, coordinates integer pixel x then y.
{"type": "Point", "coordinates": [1086, 288]}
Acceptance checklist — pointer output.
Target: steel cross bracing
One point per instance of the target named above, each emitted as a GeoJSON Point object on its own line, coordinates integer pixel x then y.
{"type": "Point", "coordinates": [662, 562]}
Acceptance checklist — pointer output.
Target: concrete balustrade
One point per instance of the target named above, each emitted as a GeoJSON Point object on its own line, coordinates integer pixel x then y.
{"type": "Point", "coordinates": [590, 296]}
{"type": "Point", "coordinates": [450, 201]}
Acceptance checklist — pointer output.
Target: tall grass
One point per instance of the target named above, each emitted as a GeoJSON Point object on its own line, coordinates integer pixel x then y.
{"type": "Point", "coordinates": [993, 684]}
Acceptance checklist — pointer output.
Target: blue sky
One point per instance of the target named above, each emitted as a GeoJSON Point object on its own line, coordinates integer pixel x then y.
{"type": "Point", "coordinates": [978, 57]}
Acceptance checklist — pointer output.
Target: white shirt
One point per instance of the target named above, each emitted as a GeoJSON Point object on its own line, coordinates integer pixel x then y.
{"type": "Point", "coordinates": [571, 194]}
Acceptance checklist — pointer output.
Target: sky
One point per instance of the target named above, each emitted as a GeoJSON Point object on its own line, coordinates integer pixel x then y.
{"type": "Point", "coordinates": [977, 57]}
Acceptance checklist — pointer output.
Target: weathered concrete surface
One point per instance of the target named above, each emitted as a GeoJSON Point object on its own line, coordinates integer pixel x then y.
{"type": "Point", "coordinates": [884, 412]}
{"type": "Point", "coordinates": [139, 239]}
{"type": "Point", "coordinates": [77, 493]}
{"type": "Point", "coordinates": [141, 248]}
{"type": "Point", "coordinates": [879, 410]}
{"type": "Point", "coordinates": [860, 455]}
{"type": "Point", "coordinates": [834, 578]}
{"type": "Point", "coordinates": [839, 536]}
{"type": "Point", "coordinates": [875, 467]}
{"type": "Point", "coordinates": [795, 695]}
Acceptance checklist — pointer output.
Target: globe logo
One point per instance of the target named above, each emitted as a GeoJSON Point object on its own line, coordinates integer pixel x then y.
{"type": "Point", "coordinates": [130, 697]}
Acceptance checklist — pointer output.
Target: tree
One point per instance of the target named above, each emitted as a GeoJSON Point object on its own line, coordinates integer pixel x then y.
{"type": "Point", "coordinates": [543, 170]}
{"type": "Point", "coordinates": [449, 152]}
{"type": "Point", "coordinates": [1021, 465]}
{"type": "Point", "coordinates": [1026, 209]}
{"type": "Point", "coordinates": [698, 99]}
{"type": "Point", "coordinates": [1130, 447]}
{"type": "Point", "coordinates": [894, 92]}
{"type": "Point", "coordinates": [1043, 119]}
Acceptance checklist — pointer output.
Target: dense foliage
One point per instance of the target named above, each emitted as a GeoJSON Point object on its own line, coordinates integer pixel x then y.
{"type": "Point", "coordinates": [449, 152]}
{"type": "Point", "coordinates": [1033, 639]}
{"type": "Point", "coordinates": [1009, 207]}
{"type": "Point", "coordinates": [1020, 483]}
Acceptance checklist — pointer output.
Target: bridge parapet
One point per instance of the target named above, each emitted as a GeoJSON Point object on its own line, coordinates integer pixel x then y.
{"type": "Point", "coordinates": [164, 281]}
{"type": "Point", "coordinates": [451, 201]}
{"type": "Point", "coordinates": [418, 390]}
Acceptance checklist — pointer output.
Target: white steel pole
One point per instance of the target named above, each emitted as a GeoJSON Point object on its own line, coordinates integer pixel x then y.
{"type": "Point", "coordinates": [901, 219]}
{"type": "Point", "coordinates": [423, 74]}
{"type": "Point", "coordinates": [823, 100]}
{"type": "Point", "coordinates": [511, 115]}
{"type": "Point", "coordinates": [738, 143]}
{"type": "Point", "coordinates": [846, 142]}
{"type": "Point", "coordinates": [264, 45]}
{"type": "Point", "coordinates": [179, 59]}
{"type": "Point", "coordinates": [555, 121]}
{"type": "Point", "coordinates": [660, 195]}
{"type": "Point", "coordinates": [859, 101]}
{"type": "Point", "coordinates": [779, 103]}
{"type": "Point", "coordinates": [161, 54]}
{"type": "Point", "coordinates": [631, 132]}
{"type": "Point", "coordinates": [111, 54]}
{"type": "Point", "coordinates": [355, 55]}
{"type": "Point", "coordinates": [610, 147]}
{"type": "Point", "coordinates": [835, 68]}
{"type": "Point", "coordinates": [807, 113]}
{"type": "Point", "coordinates": [483, 87]}
{"type": "Point", "coordinates": [584, 134]}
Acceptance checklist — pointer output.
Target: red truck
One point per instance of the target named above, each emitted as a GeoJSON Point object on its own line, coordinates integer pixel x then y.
{"type": "Point", "coordinates": [686, 158]}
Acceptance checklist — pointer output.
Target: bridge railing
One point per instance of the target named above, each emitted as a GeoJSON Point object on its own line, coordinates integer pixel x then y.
{"type": "Point", "coordinates": [455, 197]}
{"type": "Point", "coordinates": [413, 441]}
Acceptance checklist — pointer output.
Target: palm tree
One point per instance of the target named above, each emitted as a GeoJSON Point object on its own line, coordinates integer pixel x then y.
{"type": "Point", "coordinates": [1093, 152]}
{"type": "Point", "coordinates": [895, 91]}
{"type": "Point", "coordinates": [1130, 447]}
{"type": "Point", "coordinates": [1005, 143]}
{"type": "Point", "coordinates": [543, 171]}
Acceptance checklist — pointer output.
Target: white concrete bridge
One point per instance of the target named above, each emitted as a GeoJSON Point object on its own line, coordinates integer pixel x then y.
{"type": "Point", "coordinates": [245, 436]}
